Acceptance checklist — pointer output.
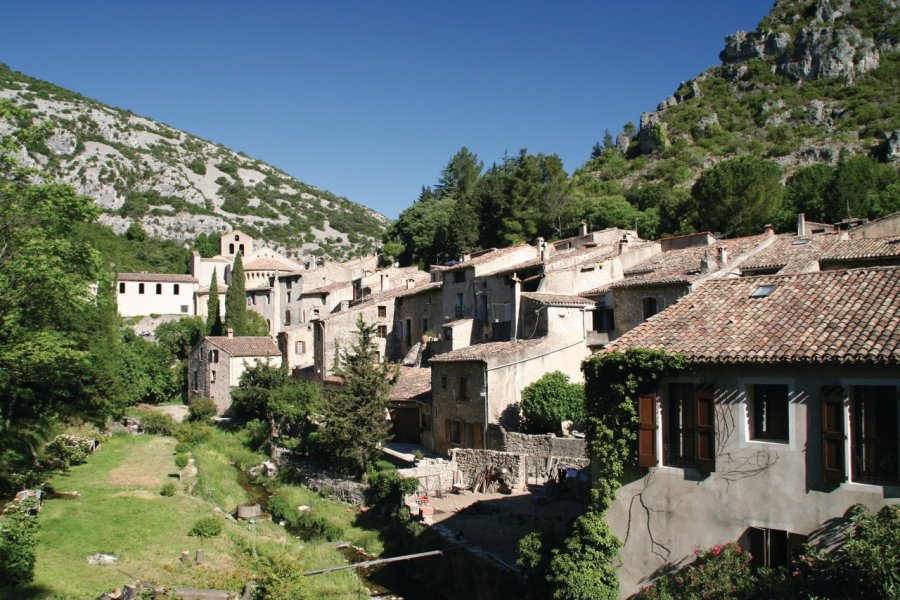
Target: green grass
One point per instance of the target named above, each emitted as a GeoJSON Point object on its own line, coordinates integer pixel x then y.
{"type": "Point", "coordinates": [121, 512]}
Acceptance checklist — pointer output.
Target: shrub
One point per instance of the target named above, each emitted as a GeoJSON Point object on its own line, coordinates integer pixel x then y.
{"type": "Point", "coordinates": [182, 448]}
{"type": "Point", "coordinates": [550, 400]}
{"type": "Point", "coordinates": [193, 433]}
{"type": "Point", "coordinates": [384, 465]}
{"type": "Point", "coordinates": [168, 489]}
{"type": "Point", "coordinates": [17, 544]}
{"type": "Point", "coordinates": [154, 422]}
{"type": "Point", "coordinates": [202, 409]}
{"type": "Point", "coordinates": [181, 460]}
{"type": "Point", "coordinates": [390, 486]}
{"type": "Point", "coordinates": [206, 527]}
{"type": "Point", "coordinates": [722, 571]}
{"type": "Point", "coordinates": [312, 527]}
{"type": "Point", "coordinates": [63, 451]}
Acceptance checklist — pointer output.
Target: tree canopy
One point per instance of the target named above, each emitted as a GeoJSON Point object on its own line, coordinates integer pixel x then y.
{"type": "Point", "coordinates": [738, 195]}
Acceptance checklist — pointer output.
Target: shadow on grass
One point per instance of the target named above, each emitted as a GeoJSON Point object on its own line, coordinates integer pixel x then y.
{"type": "Point", "coordinates": [26, 592]}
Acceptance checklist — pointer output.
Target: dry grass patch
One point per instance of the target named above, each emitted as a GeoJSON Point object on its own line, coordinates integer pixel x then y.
{"type": "Point", "coordinates": [150, 469]}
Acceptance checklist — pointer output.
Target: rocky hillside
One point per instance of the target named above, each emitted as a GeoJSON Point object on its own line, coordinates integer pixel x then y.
{"type": "Point", "coordinates": [815, 79]}
{"type": "Point", "coordinates": [175, 184]}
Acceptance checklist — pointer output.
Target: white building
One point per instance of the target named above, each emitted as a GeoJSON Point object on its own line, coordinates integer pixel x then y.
{"type": "Point", "coordinates": [141, 294]}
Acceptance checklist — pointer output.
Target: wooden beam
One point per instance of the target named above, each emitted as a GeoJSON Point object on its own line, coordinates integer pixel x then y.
{"type": "Point", "coordinates": [381, 561]}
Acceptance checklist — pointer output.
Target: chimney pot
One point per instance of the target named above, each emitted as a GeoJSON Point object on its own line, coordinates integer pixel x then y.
{"type": "Point", "coordinates": [801, 225]}
{"type": "Point", "coordinates": [723, 254]}
{"type": "Point", "coordinates": [583, 229]}
{"type": "Point", "coordinates": [230, 332]}
{"type": "Point", "coordinates": [769, 228]}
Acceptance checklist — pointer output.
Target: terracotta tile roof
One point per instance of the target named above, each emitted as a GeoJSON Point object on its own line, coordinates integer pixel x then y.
{"type": "Point", "coordinates": [399, 292]}
{"type": "Point", "coordinates": [325, 289]}
{"type": "Point", "coordinates": [683, 265]}
{"type": "Point", "coordinates": [267, 264]}
{"type": "Point", "coordinates": [245, 345]}
{"type": "Point", "coordinates": [483, 257]}
{"type": "Point", "coordinates": [558, 299]}
{"type": "Point", "coordinates": [482, 352]}
{"type": "Point", "coordinates": [412, 383]}
{"type": "Point", "coordinates": [848, 316]}
{"type": "Point", "coordinates": [864, 249]}
{"type": "Point", "coordinates": [158, 277]}
{"type": "Point", "coordinates": [791, 254]}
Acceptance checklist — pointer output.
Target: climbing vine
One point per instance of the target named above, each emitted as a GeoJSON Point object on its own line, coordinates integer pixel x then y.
{"type": "Point", "coordinates": [582, 567]}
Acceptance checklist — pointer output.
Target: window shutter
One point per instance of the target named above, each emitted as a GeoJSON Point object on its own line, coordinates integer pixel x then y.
{"type": "Point", "coordinates": [706, 431]}
{"type": "Point", "coordinates": [647, 430]}
{"type": "Point", "coordinates": [833, 436]}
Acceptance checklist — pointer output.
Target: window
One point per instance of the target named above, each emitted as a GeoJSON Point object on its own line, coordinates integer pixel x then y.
{"type": "Point", "coordinates": [688, 427]}
{"type": "Point", "coordinates": [382, 331]}
{"type": "Point", "coordinates": [237, 238]}
{"type": "Point", "coordinates": [604, 319]}
{"type": "Point", "coordinates": [424, 325]}
{"type": "Point", "coordinates": [454, 432]}
{"type": "Point", "coordinates": [459, 306]}
{"type": "Point", "coordinates": [184, 308]}
{"type": "Point", "coordinates": [770, 413]}
{"type": "Point", "coordinates": [288, 296]}
{"type": "Point", "coordinates": [773, 547]}
{"type": "Point", "coordinates": [140, 288]}
{"type": "Point", "coordinates": [300, 347]}
{"type": "Point", "coordinates": [443, 382]}
{"type": "Point", "coordinates": [763, 291]}
{"type": "Point", "coordinates": [833, 437]}
{"type": "Point", "coordinates": [195, 380]}
{"type": "Point", "coordinates": [121, 287]}
{"type": "Point", "coordinates": [288, 284]}
{"type": "Point", "coordinates": [649, 306]}
{"type": "Point", "coordinates": [241, 249]}
{"type": "Point", "coordinates": [176, 289]}
{"type": "Point", "coordinates": [158, 288]}
{"type": "Point", "coordinates": [382, 312]}
{"type": "Point", "coordinates": [212, 376]}
{"type": "Point", "coordinates": [459, 276]}
{"type": "Point", "coordinates": [462, 389]}
{"type": "Point", "coordinates": [287, 317]}
{"type": "Point", "coordinates": [230, 248]}
{"type": "Point", "coordinates": [875, 448]}
{"type": "Point", "coordinates": [409, 332]}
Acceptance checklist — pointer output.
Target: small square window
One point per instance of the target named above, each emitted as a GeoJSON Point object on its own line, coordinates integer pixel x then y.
{"type": "Point", "coordinates": [300, 347]}
{"type": "Point", "coordinates": [382, 312]}
{"type": "Point", "coordinates": [650, 307]}
{"type": "Point", "coordinates": [763, 291]}
{"type": "Point", "coordinates": [459, 276]}
{"type": "Point", "coordinates": [382, 331]}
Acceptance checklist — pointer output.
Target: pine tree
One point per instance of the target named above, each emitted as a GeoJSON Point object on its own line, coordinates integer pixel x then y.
{"type": "Point", "coordinates": [236, 300]}
{"type": "Point", "coordinates": [213, 318]}
{"type": "Point", "coordinates": [356, 423]}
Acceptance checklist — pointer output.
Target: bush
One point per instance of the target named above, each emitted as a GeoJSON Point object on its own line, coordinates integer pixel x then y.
{"type": "Point", "coordinates": [154, 422]}
{"type": "Point", "coordinates": [182, 448]}
{"type": "Point", "coordinates": [550, 400]}
{"type": "Point", "coordinates": [17, 544]}
{"type": "Point", "coordinates": [311, 527]}
{"type": "Point", "coordinates": [390, 486]}
{"type": "Point", "coordinates": [206, 527]}
{"type": "Point", "coordinates": [722, 571]}
{"type": "Point", "coordinates": [63, 451]}
{"type": "Point", "coordinates": [168, 489]}
{"type": "Point", "coordinates": [193, 433]}
{"type": "Point", "coordinates": [202, 409]}
{"type": "Point", "coordinates": [181, 460]}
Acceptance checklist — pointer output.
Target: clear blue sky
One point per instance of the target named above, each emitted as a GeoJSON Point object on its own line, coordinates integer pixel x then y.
{"type": "Point", "coordinates": [370, 99]}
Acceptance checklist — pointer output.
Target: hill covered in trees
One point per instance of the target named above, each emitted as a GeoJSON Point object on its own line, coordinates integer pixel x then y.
{"type": "Point", "coordinates": [800, 116]}
{"type": "Point", "coordinates": [175, 185]}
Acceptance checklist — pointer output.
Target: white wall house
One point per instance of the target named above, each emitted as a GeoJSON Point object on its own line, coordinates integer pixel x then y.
{"type": "Point", "coordinates": [142, 294]}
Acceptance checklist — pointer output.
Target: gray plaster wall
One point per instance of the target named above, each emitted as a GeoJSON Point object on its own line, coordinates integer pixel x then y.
{"type": "Point", "coordinates": [664, 513]}
{"type": "Point", "coordinates": [629, 308]}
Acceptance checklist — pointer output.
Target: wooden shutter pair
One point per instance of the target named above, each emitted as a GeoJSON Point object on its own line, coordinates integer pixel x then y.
{"type": "Point", "coordinates": [833, 436]}
{"type": "Point", "coordinates": [704, 429]}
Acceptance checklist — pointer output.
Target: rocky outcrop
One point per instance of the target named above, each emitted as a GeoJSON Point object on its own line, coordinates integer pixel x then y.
{"type": "Point", "coordinates": [742, 46]}
{"type": "Point", "coordinates": [828, 53]}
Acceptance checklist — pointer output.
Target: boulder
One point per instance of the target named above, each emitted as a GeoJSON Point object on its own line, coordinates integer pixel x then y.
{"type": "Point", "coordinates": [825, 53]}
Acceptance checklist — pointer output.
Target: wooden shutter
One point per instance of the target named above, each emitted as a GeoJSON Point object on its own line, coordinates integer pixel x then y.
{"type": "Point", "coordinates": [833, 435]}
{"type": "Point", "coordinates": [647, 430]}
{"type": "Point", "coordinates": [705, 433]}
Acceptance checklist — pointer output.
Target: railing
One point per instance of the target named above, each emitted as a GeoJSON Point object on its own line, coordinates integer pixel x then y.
{"type": "Point", "coordinates": [876, 462]}
{"type": "Point", "coordinates": [680, 453]}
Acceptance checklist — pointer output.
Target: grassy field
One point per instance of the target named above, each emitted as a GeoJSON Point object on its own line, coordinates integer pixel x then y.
{"type": "Point", "coordinates": [121, 512]}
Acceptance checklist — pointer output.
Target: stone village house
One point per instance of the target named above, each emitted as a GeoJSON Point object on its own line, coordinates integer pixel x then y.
{"type": "Point", "coordinates": [788, 416]}
{"type": "Point", "coordinates": [216, 364]}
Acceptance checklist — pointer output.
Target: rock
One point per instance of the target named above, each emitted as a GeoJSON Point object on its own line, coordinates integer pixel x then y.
{"type": "Point", "coordinates": [826, 53]}
{"type": "Point", "coordinates": [891, 146]}
{"type": "Point", "coordinates": [708, 121]}
{"type": "Point", "coordinates": [101, 559]}
{"type": "Point", "coordinates": [740, 46]}
{"type": "Point", "coordinates": [648, 133]}
{"type": "Point", "coordinates": [828, 11]}
{"type": "Point", "coordinates": [622, 142]}
{"type": "Point", "coordinates": [249, 512]}
{"type": "Point", "coordinates": [816, 113]}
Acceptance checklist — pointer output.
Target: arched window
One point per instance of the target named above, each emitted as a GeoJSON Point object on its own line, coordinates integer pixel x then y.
{"type": "Point", "coordinates": [140, 288]}
{"type": "Point", "coordinates": [287, 317]}
{"type": "Point", "coordinates": [241, 248]}
{"type": "Point", "coordinates": [230, 248]}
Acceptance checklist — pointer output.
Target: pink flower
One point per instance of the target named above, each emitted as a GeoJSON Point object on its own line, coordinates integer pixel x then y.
{"type": "Point", "coordinates": [716, 550]}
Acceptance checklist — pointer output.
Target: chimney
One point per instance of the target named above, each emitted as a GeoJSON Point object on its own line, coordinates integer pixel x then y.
{"type": "Point", "coordinates": [769, 229]}
{"type": "Point", "coordinates": [623, 243]}
{"type": "Point", "coordinates": [466, 257]}
{"type": "Point", "coordinates": [542, 248]}
{"type": "Point", "coordinates": [582, 229]}
{"type": "Point", "coordinates": [801, 225]}
{"type": "Point", "coordinates": [410, 284]}
{"type": "Point", "coordinates": [723, 254]}
{"type": "Point", "coordinates": [230, 332]}
{"type": "Point", "coordinates": [384, 282]}
{"type": "Point", "coordinates": [707, 264]}
{"type": "Point", "coordinates": [517, 301]}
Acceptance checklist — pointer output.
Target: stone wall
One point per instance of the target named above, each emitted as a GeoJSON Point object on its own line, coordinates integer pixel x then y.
{"type": "Point", "coordinates": [538, 446]}
{"type": "Point", "coordinates": [435, 476]}
{"type": "Point", "coordinates": [331, 485]}
{"type": "Point", "coordinates": [474, 464]}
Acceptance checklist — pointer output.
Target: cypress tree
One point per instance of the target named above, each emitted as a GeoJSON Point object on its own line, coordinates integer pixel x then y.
{"type": "Point", "coordinates": [213, 318]}
{"type": "Point", "coordinates": [236, 299]}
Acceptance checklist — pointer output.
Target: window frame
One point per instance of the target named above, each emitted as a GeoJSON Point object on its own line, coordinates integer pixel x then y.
{"type": "Point", "coordinates": [765, 413]}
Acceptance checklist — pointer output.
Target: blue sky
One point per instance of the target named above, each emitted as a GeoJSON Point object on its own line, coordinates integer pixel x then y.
{"type": "Point", "coordinates": [370, 99]}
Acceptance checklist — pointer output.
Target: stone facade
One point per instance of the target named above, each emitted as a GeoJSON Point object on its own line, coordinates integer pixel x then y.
{"type": "Point", "coordinates": [478, 464]}
{"type": "Point", "coordinates": [634, 305]}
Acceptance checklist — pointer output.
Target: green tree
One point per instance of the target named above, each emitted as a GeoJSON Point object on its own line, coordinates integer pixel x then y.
{"type": "Point", "coordinates": [148, 371]}
{"type": "Point", "coordinates": [207, 245]}
{"type": "Point", "coordinates": [256, 324]}
{"type": "Point", "coordinates": [738, 195]}
{"type": "Point", "coordinates": [236, 300]}
{"type": "Point", "coordinates": [213, 316]}
{"type": "Point", "coordinates": [550, 400]}
{"type": "Point", "coordinates": [356, 424]}
{"type": "Point", "coordinates": [18, 545]}
{"type": "Point", "coordinates": [178, 338]}
{"type": "Point", "coordinates": [583, 568]}
{"type": "Point", "coordinates": [806, 192]}
{"type": "Point", "coordinates": [460, 175]}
